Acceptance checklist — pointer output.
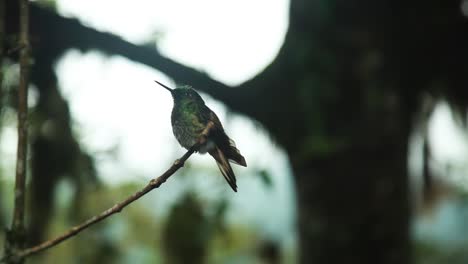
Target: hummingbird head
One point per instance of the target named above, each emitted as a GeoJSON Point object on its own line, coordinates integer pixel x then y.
{"type": "Point", "coordinates": [183, 94]}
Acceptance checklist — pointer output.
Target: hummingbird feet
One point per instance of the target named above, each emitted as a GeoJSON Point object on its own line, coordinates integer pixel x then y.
{"type": "Point", "coordinates": [205, 133]}
{"type": "Point", "coordinates": [203, 138]}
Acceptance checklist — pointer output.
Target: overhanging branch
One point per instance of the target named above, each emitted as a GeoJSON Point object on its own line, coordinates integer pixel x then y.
{"type": "Point", "coordinates": [54, 34]}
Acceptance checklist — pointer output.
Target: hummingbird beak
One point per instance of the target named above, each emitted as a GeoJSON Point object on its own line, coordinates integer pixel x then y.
{"type": "Point", "coordinates": [167, 88]}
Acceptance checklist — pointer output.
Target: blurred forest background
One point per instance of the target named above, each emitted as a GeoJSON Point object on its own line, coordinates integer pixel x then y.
{"type": "Point", "coordinates": [351, 115]}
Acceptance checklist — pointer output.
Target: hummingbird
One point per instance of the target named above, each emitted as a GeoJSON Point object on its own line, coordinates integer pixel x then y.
{"type": "Point", "coordinates": [191, 119]}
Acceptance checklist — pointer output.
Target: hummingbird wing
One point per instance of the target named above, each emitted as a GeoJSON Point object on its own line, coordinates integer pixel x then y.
{"type": "Point", "coordinates": [224, 148]}
{"type": "Point", "coordinates": [227, 145]}
{"type": "Point", "coordinates": [224, 167]}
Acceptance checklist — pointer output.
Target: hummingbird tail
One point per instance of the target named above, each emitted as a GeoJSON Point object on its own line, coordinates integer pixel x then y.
{"type": "Point", "coordinates": [233, 154]}
{"type": "Point", "coordinates": [224, 167]}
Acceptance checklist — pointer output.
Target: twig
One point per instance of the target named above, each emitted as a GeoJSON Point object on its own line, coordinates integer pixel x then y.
{"type": "Point", "coordinates": [153, 184]}
{"type": "Point", "coordinates": [16, 48]}
{"type": "Point", "coordinates": [15, 237]}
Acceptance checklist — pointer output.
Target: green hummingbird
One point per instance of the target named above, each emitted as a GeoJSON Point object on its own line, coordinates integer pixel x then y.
{"type": "Point", "coordinates": [190, 120]}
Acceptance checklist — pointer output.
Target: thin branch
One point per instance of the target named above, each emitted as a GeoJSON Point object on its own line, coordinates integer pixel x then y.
{"type": "Point", "coordinates": [153, 184]}
{"type": "Point", "coordinates": [15, 239]}
{"type": "Point", "coordinates": [2, 39]}
{"type": "Point", "coordinates": [21, 165]}
{"type": "Point", "coordinates": [15, 49]}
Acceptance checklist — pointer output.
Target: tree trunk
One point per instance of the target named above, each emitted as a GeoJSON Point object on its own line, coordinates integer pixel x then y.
{"type": "Point", "coordinates": [352, 211]}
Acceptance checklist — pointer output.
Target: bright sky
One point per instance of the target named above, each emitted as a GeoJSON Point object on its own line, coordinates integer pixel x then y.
{"type": "Point", "coordinates": [230, 40]}
{"type": "Point", "coordinates": [450, 144]}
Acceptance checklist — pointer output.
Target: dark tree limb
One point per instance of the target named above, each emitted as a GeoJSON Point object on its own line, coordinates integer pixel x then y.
{"type": "Point", "coordinates": [118, 207]}
{"type": "Point", "coordinates": [53, 35]}
{"type": "Point", "coordinates": [57, 34]}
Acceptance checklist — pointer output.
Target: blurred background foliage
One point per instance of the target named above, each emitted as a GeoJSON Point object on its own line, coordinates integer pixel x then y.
{"type": "Point", "coordinates": [363, 101]}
